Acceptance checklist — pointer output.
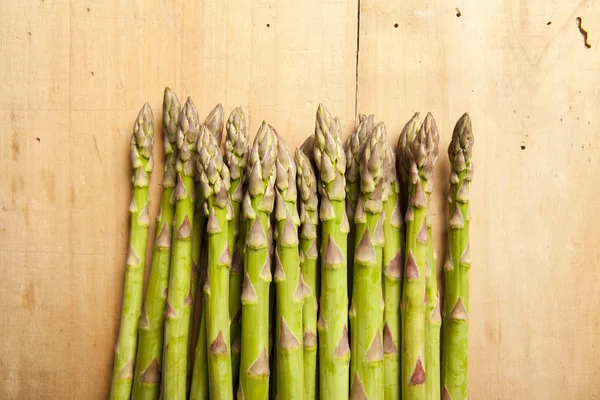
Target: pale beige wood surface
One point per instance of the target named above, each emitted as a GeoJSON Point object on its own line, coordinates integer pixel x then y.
{"type": "Point", "coordinates": [74, 74]}
{"type": "Point", "coordinates": [532, 91]}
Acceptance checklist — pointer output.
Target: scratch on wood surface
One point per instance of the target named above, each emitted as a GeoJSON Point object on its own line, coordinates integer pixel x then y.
{"type": "Point", "coordinates": [583, 33]}
{"type": "Point", "coordinates": [99, 157]}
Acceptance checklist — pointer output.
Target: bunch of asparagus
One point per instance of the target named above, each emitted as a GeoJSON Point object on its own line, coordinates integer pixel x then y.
{"type": "Point", "coordinates": [316, 268]}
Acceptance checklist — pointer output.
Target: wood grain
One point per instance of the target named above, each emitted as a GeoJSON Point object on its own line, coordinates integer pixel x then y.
{"type": "Point", "coordinates": [73, 75]}
{"type": "Point", "coordinates": [531, 89]}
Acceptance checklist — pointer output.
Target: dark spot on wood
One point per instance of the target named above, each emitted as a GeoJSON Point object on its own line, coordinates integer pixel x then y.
{"type": "Point", "coordinates": [458, 13]}
{"type": "Point", "coordinates": [72, 195]}
{"type": "Point", "coordinates": [92, 73]}
{"type": "Point", "coordinates": [583, 33]}
{"type": "Point", "coordinates": [515, 111]}
{"type": "Point", "coordinates": [549, 23]}
{"type": "Point", "coordinates": [15, 146]}
{"type": "Point", "coordinates": [523, 147]}
{"type": "Point", "coordinates": [29, 33]}
{"type": "Point", "coordinates": [38, 139]}
{"type": "Point", "coordinates": [48, 179]}
{"type": "Point", "coordinates": [88, 9]}
{"type": "Point", "coordinates": [395, 25]}
{"type": "Point", "coordinates": [28, 297]}
{"type": "Point", "coordinates": [268, 25]}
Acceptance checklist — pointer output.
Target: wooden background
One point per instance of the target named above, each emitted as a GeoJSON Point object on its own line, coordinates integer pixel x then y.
{"type": "Point", "coordinates": [73, 75]}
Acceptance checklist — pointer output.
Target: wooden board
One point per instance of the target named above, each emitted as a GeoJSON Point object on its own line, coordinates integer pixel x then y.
{"type": "Point", "coordinates": [520, 68]}
{"type": "Point", "coordinates": [74, 74]}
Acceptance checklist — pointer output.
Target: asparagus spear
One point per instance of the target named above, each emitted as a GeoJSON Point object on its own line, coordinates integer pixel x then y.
{"type": "Point", "coordinates": [353, 147]}
{"type": "Point", "coordinates": [199, 379]}
{"type": "Point", "coordinates": [393, 231]}
{"type": "Point", "coordinates": [290, 287]}
{"type": "Point", "coordinates": [419, 150]}
{"type": "Point", "coordinates": [236, 158]}
{"type": "Point", "coordinates": [214, 123]}
{"type": "Point", "coordinates": [257, 206]}
{"type": "Point", "coordinates": [272, 311]}
{"type": "Point", "coordinates": [455, 357]}
{"type": "Point", "coordinates": [332, 326]}
{"type": "Point", "coordinates": [366, 310]}
{"type": "Point", "coordinates": [433, 319]}
{"type": "Point", "coordinates": [146, 382]}
{"type": "Point", "coordinates": [179, 298]}
{"type": "Point", "coordinates": [307, 147]}
{"type": "Point", "coordinates": [309, 253]}
{"type": "Point", "coordinates": [142, 141]}
{"type": "Point", "coordinates": [214, 181]}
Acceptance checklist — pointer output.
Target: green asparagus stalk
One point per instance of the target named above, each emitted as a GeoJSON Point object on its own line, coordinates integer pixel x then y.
{"type": "Point", "coordinates": [433, 318]}
{"type": "Point", "coordinates": [142, 142]}
{"type": "Point", "coordinates": [272, 311]}
{"type": "Point", "coordinates": [199, 380]}
{"type": "Point", "coordinates": [309, 254]}
{"type": "Point", "coordinates": [455, 351]}
{"type": "Point", "coordinates": [366, 310]}
{"type": "Point", "coordinates": [236, 158]}
{"type": "Point", "coordinates": [214, 181]}
{"type": "Point", "coordinates": [290, 287]}
{"type": "Point", "coordinates": [257, 206]}
{"type": "Point", "coordinates": [418, 150]}
{"type": "Point", "coordinates": [214, 123]}
{"type": "Point", "coordinates": [146, 382]}
{"type": "Point", "coordinates": [332, 326]}
{"type": "Point", "coordinates": [353, 147]}
{"type": "Point", "coordinates": [393, 231]}
{"type": "Point", "coordinates": [198, 239]}
{"type": "Point", "coordinates": [179, 299]}
{"type": "Point", "coordinates": [197, 359]}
